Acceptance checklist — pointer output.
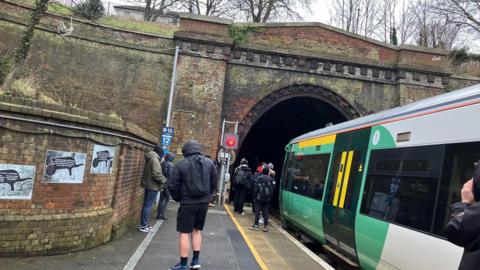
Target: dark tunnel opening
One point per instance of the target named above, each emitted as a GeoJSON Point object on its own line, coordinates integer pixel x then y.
{"type": "Point", "coordinates": [267, 138]}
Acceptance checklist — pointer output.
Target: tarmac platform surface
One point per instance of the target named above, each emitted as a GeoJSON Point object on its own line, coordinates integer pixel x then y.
{"type": "Point", "coordinates": [227, 245]}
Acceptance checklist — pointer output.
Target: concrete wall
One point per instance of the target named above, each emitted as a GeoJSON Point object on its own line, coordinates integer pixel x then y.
{"type": "Point", "coordinates": [61, 217]}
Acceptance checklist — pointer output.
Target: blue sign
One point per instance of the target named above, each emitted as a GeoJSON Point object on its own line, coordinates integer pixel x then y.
{"type": "Point", "coordinates": [167, 136]}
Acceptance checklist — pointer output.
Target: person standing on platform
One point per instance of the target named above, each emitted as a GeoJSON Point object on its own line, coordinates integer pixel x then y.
{"type": "Point", "coordinates": [167, 167]}
{"type": "Point", "coordinates": [463, 229]}
{"type": "Point", "coordinates": [152, 181]}
{"type": "Point", "coordinates": [262, 195]}
{"type": "Point", "coordinates": [241, 179]}
{"type": "Point", "coordinates": [191, 183]}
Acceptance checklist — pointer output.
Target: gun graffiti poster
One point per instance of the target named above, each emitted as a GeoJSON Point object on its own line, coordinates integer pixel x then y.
{"type": "Point", "coordinates": [16, 181]}
{"type": "Point", "coordinates": [64, 167]}
{"type": "Point", "coordinates": [103, 158]}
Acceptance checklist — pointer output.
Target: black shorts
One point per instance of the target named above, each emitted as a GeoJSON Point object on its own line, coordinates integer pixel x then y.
{"type": "Point", "coordinates": [191, 216]}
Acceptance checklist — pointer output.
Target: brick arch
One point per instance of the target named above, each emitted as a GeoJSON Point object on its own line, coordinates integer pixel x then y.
{"type": "Point", "coordinates": [294, 91]}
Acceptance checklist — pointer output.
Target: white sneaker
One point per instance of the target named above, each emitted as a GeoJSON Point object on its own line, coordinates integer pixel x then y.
{"type": "Point", "coordinates": [144, 229]}
{"type": "Point", "coordinates": [261, 220]}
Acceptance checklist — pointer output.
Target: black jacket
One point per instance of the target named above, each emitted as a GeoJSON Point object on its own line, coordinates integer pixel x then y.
{"type": "Point", "coordinates": [178, 176]}
{"type": "Point", "coordinates": [262, 178]}
{"type": "Point", "coordinates": [167, 165]}
{"type": "Point", "coordinates": [463, 230]}
{"type": "Point", "coordinates": [247, 172]}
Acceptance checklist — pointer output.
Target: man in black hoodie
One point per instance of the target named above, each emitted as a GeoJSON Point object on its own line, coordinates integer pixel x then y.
{"type": "Point", "coordinates": [463, 229]}
{"type": "Point", "coordinates": [241, 179]}
{"type": "Point", "coordinates": [191, 183]}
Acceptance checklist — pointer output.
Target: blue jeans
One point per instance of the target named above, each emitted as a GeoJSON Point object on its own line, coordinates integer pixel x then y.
{"type": "Point", "coordinates": [148, 201]}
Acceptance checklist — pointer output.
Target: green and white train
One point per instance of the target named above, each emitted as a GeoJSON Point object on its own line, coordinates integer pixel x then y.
{"type": "Point", "coordinates": [376, 191]}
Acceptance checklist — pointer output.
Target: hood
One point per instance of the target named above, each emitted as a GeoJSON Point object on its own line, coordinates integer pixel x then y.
{"type": "Point", "coordinates": [151, 155]}
{"type": "Point", "coordinates": [191, 148]}
{"type": "Point", "coordinates": [476, 181]}
{"type": "Point", "coordinates": [170, 156]}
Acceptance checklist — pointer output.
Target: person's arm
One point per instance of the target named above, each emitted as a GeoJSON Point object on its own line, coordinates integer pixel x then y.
{"type": "Point", "coordinates": [175, 184]}
{"type": "Point", "coordinates": [464, 225]}
{"type": "Point", "coordinates": [157, 173]}
{"type": "Point", "coordinates": [213, 178]}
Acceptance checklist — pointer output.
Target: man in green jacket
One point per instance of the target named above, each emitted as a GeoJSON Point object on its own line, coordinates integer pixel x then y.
{"type": "Point", "coordinates": [152, 181]}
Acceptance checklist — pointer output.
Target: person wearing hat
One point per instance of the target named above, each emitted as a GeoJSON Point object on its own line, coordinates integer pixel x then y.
{"type": "Point", "coordinates": [463, 229]}
{"type": "Point", "coordinates": [241, 179]}
{"type": "Point", "coordinates": [153, 181]}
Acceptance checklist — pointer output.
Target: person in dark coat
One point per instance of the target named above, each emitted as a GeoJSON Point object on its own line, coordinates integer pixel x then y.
{"type": "Point", "coordinates": [463, 229]}
{"type": "Point", "coordinates": [152, 181]}
{"type": "Point", "coordinates": [191, 183]}
{"type": "Point", "coordinates": [262, 194]}
{"type": "Point", "coordinates": [241, 181]}
{"type": "Point", "coordinates": [167, 168]}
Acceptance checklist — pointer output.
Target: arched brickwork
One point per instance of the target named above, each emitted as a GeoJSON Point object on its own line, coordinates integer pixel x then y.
{"type": "Point", "coordinates": [293, 91]}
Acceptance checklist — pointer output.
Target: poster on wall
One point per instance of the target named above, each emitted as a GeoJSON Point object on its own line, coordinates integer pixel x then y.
{"type": "Point", "coordinates": [16, 181]}
{"type": "Point", "coordinates": [64, 167]}
{"type": "Point", "coordinates": [102, 159]}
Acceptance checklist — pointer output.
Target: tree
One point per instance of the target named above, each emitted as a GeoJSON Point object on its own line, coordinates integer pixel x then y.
{"type": "Point", "coordinates": [268, 10]}
{"type": "Point", "coordinates": [207, 7]}
{"type": "Point", "coordinates": [393, 36]}
{"type": "Point", "coordinates": [156, 8]}
{"type": "Point", "coordinates": [90, 9]}
{"type": "Point", "coordinates": [463, 12]}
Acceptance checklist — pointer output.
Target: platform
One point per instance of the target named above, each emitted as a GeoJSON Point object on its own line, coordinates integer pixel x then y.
{"type": "Point", "coordinates": [227, 245]}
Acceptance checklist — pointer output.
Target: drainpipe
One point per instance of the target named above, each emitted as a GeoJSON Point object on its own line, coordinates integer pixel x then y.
{"type": "Point", "coordinates": [172, 87]}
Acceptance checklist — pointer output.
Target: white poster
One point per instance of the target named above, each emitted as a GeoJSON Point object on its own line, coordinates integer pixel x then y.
{"type": "Point", "coordinates": [102, 159]}
{"type": "Point", "coordinates": [16, 181]}
{"type": "Point", "coordinates": [64, 167]}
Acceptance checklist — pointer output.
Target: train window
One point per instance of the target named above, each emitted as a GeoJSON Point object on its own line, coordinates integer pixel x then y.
{"type": "Point", "coordinates": [458, 168]}
{"type": "Point", "coordinates": [405, 196]}
{"type": "Point", "coordinates": [308, 173]}
{"type": "Point", "coordinates": [352, 178]}
{"type": "Point", "coordinates": [337, 167]}
{"type": "Point", "coordinates": [286, 174]}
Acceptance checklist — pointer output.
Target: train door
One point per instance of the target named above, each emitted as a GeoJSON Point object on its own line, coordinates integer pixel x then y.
{"type": "Point", "coordinates": [342, 193]}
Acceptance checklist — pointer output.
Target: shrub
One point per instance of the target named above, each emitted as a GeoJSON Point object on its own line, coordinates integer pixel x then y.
{"type": "Point", "coordinates": [90, 9]}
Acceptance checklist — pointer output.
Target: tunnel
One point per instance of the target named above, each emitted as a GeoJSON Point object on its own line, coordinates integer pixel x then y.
{"type": "Point", "coordinates": [267, 138]}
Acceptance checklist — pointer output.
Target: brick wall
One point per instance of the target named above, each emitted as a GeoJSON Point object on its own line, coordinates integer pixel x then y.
{"type": "Point", "coordinates": [64, 217]}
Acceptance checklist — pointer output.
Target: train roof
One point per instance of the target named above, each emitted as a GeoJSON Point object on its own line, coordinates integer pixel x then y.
{"type": "Point", "coordinates": [433, 103]}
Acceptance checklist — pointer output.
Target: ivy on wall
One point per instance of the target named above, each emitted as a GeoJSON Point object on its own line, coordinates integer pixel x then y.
{"type": "Point", "coordinates": [240, 33]}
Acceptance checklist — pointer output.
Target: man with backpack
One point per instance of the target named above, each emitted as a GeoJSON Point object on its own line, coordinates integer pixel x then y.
{"type": "Point", "coordinates": [191, 183]}
{"type": "Point", "coordinates": [167, 167]}
{"type": "Point", "coordinates": [262, 195]}
{"type": "Point", "coordinates": [241, 182]}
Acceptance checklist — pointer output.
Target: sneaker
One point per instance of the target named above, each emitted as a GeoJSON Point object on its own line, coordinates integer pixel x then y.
{"type": "Point", "coordinates": [145, 229]}
{"type": "Point", "coordinates": [162, 217]}
{"type": "Point", "coordinates": [178, 266]}
{"type": "Point", "coordinates": [195, 264]}
{"type": "Point", "coordinates": [254, 228]}
{"type": "Point", "coordinates": [261, 220]}
{"type": "Point", "coordinates": [211, 205]}
{"type": "Point", "coordinates": [265, 229]}
{"type": "Point", "coordinates": [242, 213]}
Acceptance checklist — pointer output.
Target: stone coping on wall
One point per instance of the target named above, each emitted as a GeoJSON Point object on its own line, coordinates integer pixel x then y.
{"type": "Point", "coordinates": [71, 114]}
{"type": "Point", "coordinates": [47, 217]}
{"type": "Point", "coordinates": [203, 18]}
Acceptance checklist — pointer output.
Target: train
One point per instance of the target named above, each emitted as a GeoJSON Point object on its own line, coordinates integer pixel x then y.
{"type": "Point", "coordinates": [376, 191]}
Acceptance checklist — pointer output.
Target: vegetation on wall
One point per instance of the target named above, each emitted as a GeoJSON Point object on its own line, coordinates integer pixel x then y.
{"type": "Point", "coordinates": [240, 33]}
{"type": "Point", "coordinates": [462, 55]}
{"type": "Point", "coordinates": [90, 10]}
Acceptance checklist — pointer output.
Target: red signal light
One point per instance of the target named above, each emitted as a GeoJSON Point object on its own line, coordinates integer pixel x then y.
{"type": "Point", "coordinates": [230, 141]}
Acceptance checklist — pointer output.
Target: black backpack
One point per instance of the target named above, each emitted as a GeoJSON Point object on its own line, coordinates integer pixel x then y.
{"type": "Point", "coordinates": [265, 191]}
{"type": "Point", "coordinates": [240, 177]}
{"type": "Point", "coordinates": [197, 181]}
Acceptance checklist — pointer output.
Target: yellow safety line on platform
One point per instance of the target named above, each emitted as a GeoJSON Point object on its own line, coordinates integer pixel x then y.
{"type": "Point", "coordinates": [254, 251]}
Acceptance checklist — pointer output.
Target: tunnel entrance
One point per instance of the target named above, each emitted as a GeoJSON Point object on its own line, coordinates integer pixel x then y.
{"type": "Point", "coordinates": [267, 137]}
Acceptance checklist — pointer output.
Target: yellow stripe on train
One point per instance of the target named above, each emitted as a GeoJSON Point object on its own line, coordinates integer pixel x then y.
{"type": "Point", "coordinates": [318, 141]}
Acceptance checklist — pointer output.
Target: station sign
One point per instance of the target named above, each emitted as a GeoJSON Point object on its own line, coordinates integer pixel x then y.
{"type": "Point", "coordinates": [167, 136]}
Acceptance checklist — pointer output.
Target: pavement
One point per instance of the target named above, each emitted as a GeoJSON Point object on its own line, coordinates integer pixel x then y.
{"type": "Point", "coordinates": [227, 245]}
{"type": "Point", "coordinates": [223, 249]}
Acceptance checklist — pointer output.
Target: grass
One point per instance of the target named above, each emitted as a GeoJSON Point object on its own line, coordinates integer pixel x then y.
{"type": "Point", "coordinates": [146, 27]}
{"type": "Point", "coordinates": [123, 23]}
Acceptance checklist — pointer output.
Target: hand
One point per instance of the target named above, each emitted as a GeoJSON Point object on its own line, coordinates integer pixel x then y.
{"type": "Point", "coordinates": [467, 194]}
